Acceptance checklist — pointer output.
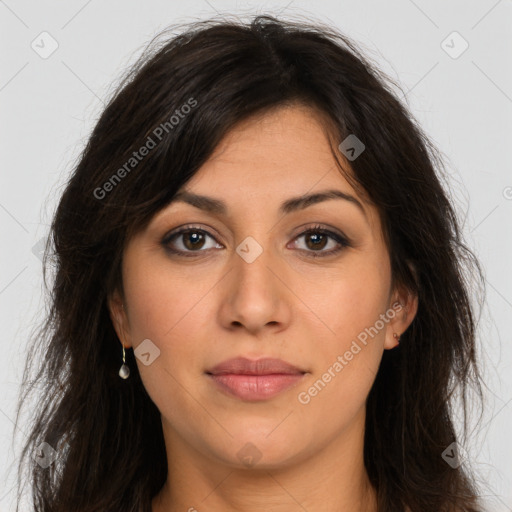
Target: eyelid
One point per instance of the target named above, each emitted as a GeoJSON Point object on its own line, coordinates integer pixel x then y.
{"type": "Point", "coordinates": [185, 228]}
{"type": "Point", "coordinates": [342, 240]}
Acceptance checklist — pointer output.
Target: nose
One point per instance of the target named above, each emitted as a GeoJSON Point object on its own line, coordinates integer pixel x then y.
{"type": "Point", "coordinates": [256, 296]}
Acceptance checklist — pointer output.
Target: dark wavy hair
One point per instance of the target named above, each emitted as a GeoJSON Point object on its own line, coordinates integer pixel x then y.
{"type": "Point", "coordinates": [106, 432]}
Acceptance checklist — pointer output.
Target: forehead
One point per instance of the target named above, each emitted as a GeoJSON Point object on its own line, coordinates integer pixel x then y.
{"type": "Point", "coordinates": [284, 150]}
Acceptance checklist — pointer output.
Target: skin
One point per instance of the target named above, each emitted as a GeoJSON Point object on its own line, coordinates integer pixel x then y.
{"type": "Point", "coordinates": [213, 306]}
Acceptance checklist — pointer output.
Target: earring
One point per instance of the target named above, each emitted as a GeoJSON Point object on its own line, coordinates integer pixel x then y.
{"type": "Point", "coordinates": [397, 338]}
{"type": "Point", "coordinates": [124, 371]}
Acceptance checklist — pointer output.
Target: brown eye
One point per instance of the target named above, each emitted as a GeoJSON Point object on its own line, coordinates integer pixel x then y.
{"type": "Point", "coordinates": [189, 240]}
{"type": "Point", "coordinates": [193, 240]}
{"type": "Point", "coordinates": [317, 239]}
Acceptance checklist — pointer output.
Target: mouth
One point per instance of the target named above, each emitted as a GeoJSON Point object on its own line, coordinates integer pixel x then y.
{"type": "Point", "coordinates": [255, 380]}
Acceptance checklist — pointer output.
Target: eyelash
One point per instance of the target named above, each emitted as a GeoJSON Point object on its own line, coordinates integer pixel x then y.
{"type": "Point", "coordinates": [342, 241]}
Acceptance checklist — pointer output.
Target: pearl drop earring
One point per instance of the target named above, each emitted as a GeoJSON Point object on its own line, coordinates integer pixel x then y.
{"type": "Point", "coordinates": [124, 371]}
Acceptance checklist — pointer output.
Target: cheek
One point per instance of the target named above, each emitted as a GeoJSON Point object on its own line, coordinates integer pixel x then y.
{"type": "Point", "coordinates": [349, 350]}
{"type": "Point", "coordinates": [349, 301]}
{"type": "Point", "coordinates": [162, 299]}
{"type": "Point", "coordinates": [170, 309]}
{"type": "Point", "coordinates": [170, 313]}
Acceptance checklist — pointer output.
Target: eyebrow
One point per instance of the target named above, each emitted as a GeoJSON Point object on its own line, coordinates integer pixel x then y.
{"type": "Point", "coordinates": [216, 206]}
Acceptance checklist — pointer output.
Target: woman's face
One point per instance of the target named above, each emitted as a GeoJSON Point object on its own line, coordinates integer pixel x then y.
{"type": "Point", "coordinates": [247, 280]}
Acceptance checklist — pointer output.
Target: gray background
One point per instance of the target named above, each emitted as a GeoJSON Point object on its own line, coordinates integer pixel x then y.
{"type": "Point", "coordinates": [48, 107]}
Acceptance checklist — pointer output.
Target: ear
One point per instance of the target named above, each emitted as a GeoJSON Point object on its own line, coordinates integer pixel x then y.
{"type": "Point", "coordinates": [404, 303]}
{"type": "Point", "coordinates": [119, 317]}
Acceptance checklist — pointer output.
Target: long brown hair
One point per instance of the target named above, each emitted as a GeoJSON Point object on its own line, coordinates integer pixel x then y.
{"type": "Point", "coordinates": [184, 94]}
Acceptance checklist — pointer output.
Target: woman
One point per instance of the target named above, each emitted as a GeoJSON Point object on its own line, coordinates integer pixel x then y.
{"type": "Point", "coordinates": [259, 299]}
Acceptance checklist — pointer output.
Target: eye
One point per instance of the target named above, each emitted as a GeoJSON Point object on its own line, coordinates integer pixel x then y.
{"type": "Point", "coordinates": [189, 239]}
{"type": "Point", "coordinates": [316, 239]}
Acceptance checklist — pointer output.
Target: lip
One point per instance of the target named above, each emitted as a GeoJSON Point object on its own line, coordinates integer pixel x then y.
{"type": "Point", "coordinates": [255, 380]}
{"type": "Point", "coordinates": [263, 366]}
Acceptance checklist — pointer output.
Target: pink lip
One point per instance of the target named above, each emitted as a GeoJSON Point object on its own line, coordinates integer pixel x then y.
{"type": "Point", "coordinates": [255, 380]}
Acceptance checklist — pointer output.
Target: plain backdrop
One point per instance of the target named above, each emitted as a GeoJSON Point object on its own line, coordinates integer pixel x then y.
{"type": "Point", "coordinates": [452, 60]}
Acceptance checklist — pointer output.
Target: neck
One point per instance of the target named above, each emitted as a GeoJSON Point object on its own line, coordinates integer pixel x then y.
{"type": "Point", "coordinates": [333, 479]}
